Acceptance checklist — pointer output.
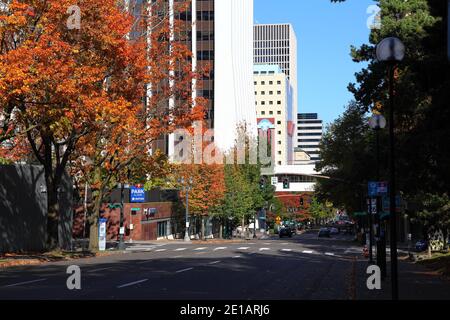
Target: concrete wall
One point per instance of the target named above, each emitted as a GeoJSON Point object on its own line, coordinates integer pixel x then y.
{"type": "Point", "coordinates": [23, 209]}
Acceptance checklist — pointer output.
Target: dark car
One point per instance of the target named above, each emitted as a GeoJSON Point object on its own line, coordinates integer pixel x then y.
{"type": "Point", "coordinates": [421, 245]}
{"type": "Point", "coordinates": [324, 232]}
{"type": "Point", "coordinates": [286, 231]}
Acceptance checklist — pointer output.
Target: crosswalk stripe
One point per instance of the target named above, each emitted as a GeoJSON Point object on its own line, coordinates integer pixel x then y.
{"type": "Point", "coordinates": [307, 251]}
{"type": "Point", "coordinates": [220, 248]}
{"type": "Point", "coordinates": [184, 270]}
{"type": "Point", "coordinates": [264, 249]}
{"type": "Point", "coordinates": [132, 283]}
{"type": "Point", "coordinates": [200, 249]}
{"type": "Point", "coordinates": [286, 250]}
{"type": "Point", "coordinates": [243, 248]}
{"type": "Point", "coordinates": [180, 249]}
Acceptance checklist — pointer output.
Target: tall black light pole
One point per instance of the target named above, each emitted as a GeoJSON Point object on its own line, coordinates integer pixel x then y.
{"type": "Point", "coordinates": [392, 51]}
{"type": "Point", "coordinates": [377, 122]}
{"type": "Point", "coordinates": [121, 242]}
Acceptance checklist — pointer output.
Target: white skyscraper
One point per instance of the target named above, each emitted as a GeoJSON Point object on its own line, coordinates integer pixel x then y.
{"type": "Point", "coordinates": [277, 44]}
{"type": "Point", "coordinates": [234, 100]}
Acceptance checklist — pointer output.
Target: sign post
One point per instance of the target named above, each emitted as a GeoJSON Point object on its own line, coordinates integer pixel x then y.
{"type": "Point", "coordinates": [102, 235]}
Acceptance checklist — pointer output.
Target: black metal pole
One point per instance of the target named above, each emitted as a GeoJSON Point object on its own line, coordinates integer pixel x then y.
{"type": "Point", "coordinates": [186, 234]}
{"type": "Point", "coordinates": [121, 242]}
{"type": "Point", "coordinates": [392, 204]}
{"type": "Point", "coordinates": [381, 244]}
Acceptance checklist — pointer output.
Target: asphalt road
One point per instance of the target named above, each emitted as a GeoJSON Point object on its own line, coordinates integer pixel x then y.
{"type": "Point", "coordinates": [302, 267]}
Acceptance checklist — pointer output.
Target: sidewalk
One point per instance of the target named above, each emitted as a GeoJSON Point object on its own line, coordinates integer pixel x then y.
{"type": "Point", "coordinates": [415, 282]}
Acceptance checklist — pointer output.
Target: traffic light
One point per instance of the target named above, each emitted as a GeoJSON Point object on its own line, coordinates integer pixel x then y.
{"type": "Point", "coordinates": [262, 183]}
{"type": "Point", "coordinates": [286, 183]}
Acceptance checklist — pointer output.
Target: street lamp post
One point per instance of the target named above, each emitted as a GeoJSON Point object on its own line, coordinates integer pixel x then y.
{"type": "Point", "coordinates": [392, 51]}
{"type": "Point", "coordinates": [377, 122]}
{"type": "Point", "coordinates": [186, 187]}
{"type": "Point", "coordinates": [121, 242]}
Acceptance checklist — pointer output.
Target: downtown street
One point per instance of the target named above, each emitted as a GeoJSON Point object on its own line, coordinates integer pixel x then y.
{"type": "Point", "coordinates": [304, 267]}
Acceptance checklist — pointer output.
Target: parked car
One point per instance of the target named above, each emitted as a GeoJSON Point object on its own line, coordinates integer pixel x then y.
{"type": "Point", "coordinates": [286, 231]}
{"type": "Point", "coordinates": [421, 245]}
{"type": "Point", "coordinates": [334, 231]}
{"type": "Point", "coordinates": [324, 232]}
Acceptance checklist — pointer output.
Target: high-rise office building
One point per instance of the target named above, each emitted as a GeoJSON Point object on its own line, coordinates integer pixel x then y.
{"type": "Point", "coordinates": [274, 110]}
{"type": "Point", "coordinates": [220, 34]}
{"type": "Point", "coordinates": [309, 134]}
{"type": "Point", "coordinates": [276, 44]}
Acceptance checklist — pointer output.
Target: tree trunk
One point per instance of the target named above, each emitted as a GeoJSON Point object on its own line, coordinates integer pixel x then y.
{"type": "Point", "coordinates": [52, 214]}
{"type": "Point", "coordinates": [203, 227]}
{"type": "Point", "coordinates": [93, 220]}
{"type": "Point", "coordinates": [221, 229]}
{"type": "Point", "coordinates": [243, 228]}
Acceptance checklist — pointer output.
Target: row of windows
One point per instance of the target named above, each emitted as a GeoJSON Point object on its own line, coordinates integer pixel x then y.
{"type": "Point", "coordinates": [283, 52]}
{"type": "Point", "coordinates": [270, 113]}
{"type": "Point", "coordinates": [263, 83]}
{"type": "Point", "coordinates": [306, 146]}
{"type": "Point", "coordinates": [296, 179]}
{"type": "Point", "coordinates": [309, 128]}
{"type": "Point", "coordinates": [205, 55]}
{"type": "Point", "coordinates": [270, 92]}
{"type": "Point", "coordinates": [308, 134]}
{"type": "Point", "coordinates": [205, 15]}
{"type": "Point", "coordinates": [271, 44]}
{"type": "Point", "coordinates": [205, 35]}
{"type": "Point", "coordinates": [263, 103]}
{"type": "Point", "coordinates": [308, 140]}
{"type": "Point", "coordinates": [309, 122]}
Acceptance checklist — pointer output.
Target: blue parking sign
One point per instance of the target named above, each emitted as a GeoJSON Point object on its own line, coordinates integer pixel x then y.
{"type": "Point", "coordinates": [137, 195]}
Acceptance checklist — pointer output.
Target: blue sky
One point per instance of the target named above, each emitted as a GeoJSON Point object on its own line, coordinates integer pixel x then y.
{"type": "Point", "coordinates": [325, 32]}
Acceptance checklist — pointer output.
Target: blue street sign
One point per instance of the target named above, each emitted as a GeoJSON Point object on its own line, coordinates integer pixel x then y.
{"type": "Point", "coordinates": [377, 188]}
{"type": "Point", "coordinates": [137, 195]}
{"type": "Point", "coordinates": [373, 189]}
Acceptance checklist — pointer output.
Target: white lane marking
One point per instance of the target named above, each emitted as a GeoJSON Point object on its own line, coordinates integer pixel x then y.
{"type": "Point", "coordinates": [307, 251]}
{"type": "Point", "coordinates": [329, 254]}
{"type": "Point", "coordinates": [220, 248]}
{"type": "Point", "coordinates": [237, 257]}
{"type": "Point", "coordinates": [243, 248]}
{"type": "Point", "coordinates": [180, 249]}
{"type": "Point", "coordinates": [101, 269]}
{"type": "Point", "coordinates": [286, 250]}
{"type": "Point", "coordinates": [184, 270]}
{"type": "Point", "coordinates": [25, 282]}
{"type": "Point", "coordinates": [131, 283]}
{"type": "Point", "coordinates": [267, 243]}
{"type": "Point", "coordinates": [284, 243]}
{"type": "Point", "coordinates": [161, 250]}
{"type": "Point", "coordinates": [214, 262]}
{"type": "Point", "coordinates": [264, 249]}
{"type": "Point", "coordinates": [200, 249]}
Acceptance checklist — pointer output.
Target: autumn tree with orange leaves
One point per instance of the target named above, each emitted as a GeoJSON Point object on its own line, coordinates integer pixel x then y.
{"type": "Point", "coordinates": [77, 95]}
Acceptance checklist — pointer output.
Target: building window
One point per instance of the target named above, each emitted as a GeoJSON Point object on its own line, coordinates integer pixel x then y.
{"type": "Point", "coordinates": [271, 82]}
{"type": "Point", "coordinates": [263, 83]}
{"type": "Point", "coordinates": [263, 112]}
{"type": "Point", "coordinates": [278, 122]}
{"type": "Point", "coordinates": [279, 132]}
{"type": "Point", "coordinates": [279, 112]}
{"type": "Point", "coordinates": [271, 92]}
{"type": "Point", "coordinates": [279, 163]}
{"type": "Point", "coordinates": [279, 152]}
{"type": "Point", "coordinates": [263, 103]}
{"type": "Point", "coordinates": [205, 15]}
{"type": "Point", "coordinates": [278, 82]}
{"type": "Point", "coordinates": [278, 92]}
{"type": "Point", "coordinates": [278, 102]}
{"type": "Point", "coordinates": [271, 112]}
{"type": "Point", "coordinates": [255, 83]}
{"type": "Point", "coordinates": [279, 142]}
{"type": "Point", "coordinates": [271, 102]}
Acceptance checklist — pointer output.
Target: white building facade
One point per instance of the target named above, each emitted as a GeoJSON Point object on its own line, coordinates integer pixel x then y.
{"type": "Point", "coordinates": [309, 134]}
{"type": "Point", "coordinates": [273, 94]}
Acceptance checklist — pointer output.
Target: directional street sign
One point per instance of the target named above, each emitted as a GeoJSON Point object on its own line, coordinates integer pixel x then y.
{"type": "Point", "coordinates": [274, 181]}
{"type": "Point", "coordinates": [377, 188]}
